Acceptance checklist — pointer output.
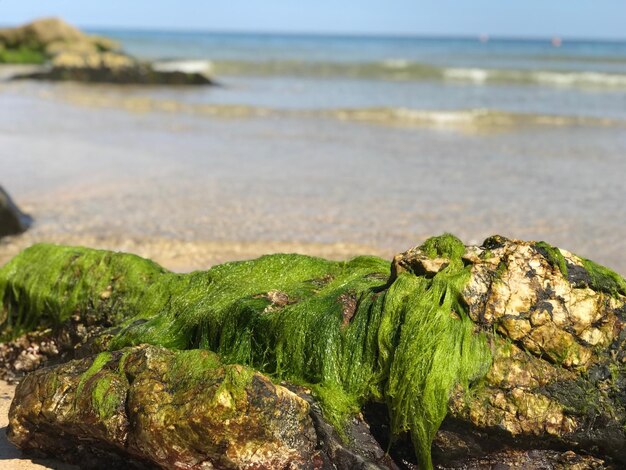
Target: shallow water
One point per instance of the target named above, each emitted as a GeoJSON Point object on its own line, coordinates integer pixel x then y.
{"type": "Point", "coordinates": [368, 141]}
{"type": "Point", "coordinates": [113, 166]}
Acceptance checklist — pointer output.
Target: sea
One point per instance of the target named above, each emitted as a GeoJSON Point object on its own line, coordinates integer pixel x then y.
{"type": "Point", "coordinates": [380, 141]}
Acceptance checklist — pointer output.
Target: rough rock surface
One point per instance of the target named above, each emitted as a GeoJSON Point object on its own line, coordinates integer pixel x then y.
{"type": "Point", "coordinates": [558, 377]}
{"type": "Point", "coordinates": [553, 396]}
{"type": "Point", "coordinates": [44, 38]}
{"type": "Point", "coordinates": [75, 56]}
{"type": "Point", "coordinates": [162, 408]}
{"type": "Point", "coordinates": [12, 220]}
{"type": "Point", "coordinates": [109, 67]}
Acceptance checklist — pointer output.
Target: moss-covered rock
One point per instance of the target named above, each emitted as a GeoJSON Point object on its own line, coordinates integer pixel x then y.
{"type": "Point", "coordinates": [38, 41]}
{"type": "Point", "coordinates": [75, 56]}
{"type": "Point", "coordinates": [149, 406]}
{"type": "Point", "coordinates": [516, 342]}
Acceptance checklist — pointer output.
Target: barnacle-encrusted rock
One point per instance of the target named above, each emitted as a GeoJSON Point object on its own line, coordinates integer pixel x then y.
{"type": "Point", "coordinates": [149, 406]}
{"type": "Point", "coordinates": [520, 344]}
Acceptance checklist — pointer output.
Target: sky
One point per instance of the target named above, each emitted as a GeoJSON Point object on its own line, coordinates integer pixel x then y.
{"type": "Point", "coordinates": [515, 18]}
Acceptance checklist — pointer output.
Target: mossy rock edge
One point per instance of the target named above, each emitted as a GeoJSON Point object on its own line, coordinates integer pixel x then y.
{"type": "Point", "coordinates": [489, 336]}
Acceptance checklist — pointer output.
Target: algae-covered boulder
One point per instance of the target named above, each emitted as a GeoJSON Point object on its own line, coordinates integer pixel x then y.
{"type": "Point", "coordinates": [149, 406]}
{"type": "Point", "coordinates": [73, 55]}
{"type": "Point", "coordinates": [510, 346]}
{"type": "Point", "coordinates": [557, 320]}
{"type": "Point", "coordinates": [38, 41]}
{"type": "Point", "coordinates": [12, 220]}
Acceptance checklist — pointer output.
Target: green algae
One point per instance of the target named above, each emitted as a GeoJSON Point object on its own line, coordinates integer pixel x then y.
{"type": "Point", "coordinates": [408, 344]}
{"type": "Point", "coordinates": [437, 349]}
{"type": "Point", "coordinates": [553, 255]}
{"type": "Point", "coordinates": [21, 55]}
{"type": "Point", "coordinates": [443, 246]}
{"type": "Point", "coordinates": [49, 284]}
{"type": "Point", "coordinates": [97, 365]}
{"type": "Point", "coordinates": [603, 279]}
{"type": "Point", "coordinates": [103, 398]}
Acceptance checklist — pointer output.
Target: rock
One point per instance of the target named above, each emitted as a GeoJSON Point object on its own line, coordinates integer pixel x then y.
{"type": "Point", "coordinates": [529, 460]}
{"type": "Point", "coordinates": [41, 33]}
{"type": "Point", "coordinates": [110, 67]}
{"type": "Point", "coordinates": [12, 220]}
{"type": "Point", "coordinates": [75, 56]}
{"type": "Point", "coordinates": [558, 372]}
{"type": "Point", "coordinates": [162, 408]}
{"type": "Point", "coordinates": [515, 348]}
{"type": "Point", "coordinates": [47, 37]}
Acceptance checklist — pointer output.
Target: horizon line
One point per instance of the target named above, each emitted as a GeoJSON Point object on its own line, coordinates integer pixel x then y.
{"type": "Point", "coordinates": [370, 34]}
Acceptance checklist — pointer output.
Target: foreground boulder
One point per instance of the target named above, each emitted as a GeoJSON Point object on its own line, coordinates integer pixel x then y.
{"type": "Point", "coordinates": [508, 350]}
{"type": "Point", "coordinates": [12, 220]}
{"type": "Point", "coordinates": [148, 406]}
{"type": "Point", "coordinates": [74, 56]}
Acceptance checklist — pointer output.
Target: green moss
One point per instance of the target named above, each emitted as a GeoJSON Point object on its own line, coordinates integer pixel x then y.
{"type": "Point", "coordinates": [49, 284]}
{"type": "Point", "coordinates": [553, 255]}
{"type": "Point", "coordinates": [443, 246]}
{"type": "Point", "coordinates": [236, 380]}
{"type": "Point", "coordinates": [407, 344]}
{"type": "Point", "coordinates": [103, 398]}
{"type": "Point", "coordinates": [501, 270]}
{"type": "Point", "coordinates": [190, 367]}
{"type": "Point", "coordinates": [603, 279]}
{"type": "Point", "coordinates": [97, 365]}
{"type": "Point", "coordinates": [22, 55]}
{"type": "Point", "coordinates": [434, 351]}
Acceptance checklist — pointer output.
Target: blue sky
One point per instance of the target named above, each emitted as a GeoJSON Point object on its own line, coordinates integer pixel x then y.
{"type": "Point", "coordinates": [545, 18]}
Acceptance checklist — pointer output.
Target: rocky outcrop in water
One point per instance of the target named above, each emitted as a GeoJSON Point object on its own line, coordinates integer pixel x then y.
{"type": "Point", "coordinates": [45, 38]}
{"type": "Point", "coordinates": [12, 220]}
{"type": "Point", "coordinates": [71, 55]}
{"type": "Point", "coordinates": [514, 350]}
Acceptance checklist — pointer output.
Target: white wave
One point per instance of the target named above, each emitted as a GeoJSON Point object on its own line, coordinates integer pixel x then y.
{"type": "Point", "coordinates": [542, 77]}
{"type": "Point", "coordinates": [473, 75]}
{"type": "Point", "coordinates": [595, 79]}
{"type": "Point", "coordinates": [396, 63]}
{"type": "Point", "coordinates": [185, 66]}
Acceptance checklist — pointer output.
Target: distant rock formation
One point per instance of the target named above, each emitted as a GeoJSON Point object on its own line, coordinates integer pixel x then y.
{"type": "Point", "coordinates": [70, 54]}
{"type": "Point", "coordinates": [12, 220]}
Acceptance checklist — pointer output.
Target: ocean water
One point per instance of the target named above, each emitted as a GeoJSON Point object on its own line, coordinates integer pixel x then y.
{"type": "Point", "coordinates": [581, 78]}
{"type": "Point", "coordinates": [374, 141]}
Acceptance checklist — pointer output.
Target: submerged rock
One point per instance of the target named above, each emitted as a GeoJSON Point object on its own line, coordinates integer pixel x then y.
{"type": "Point", "coordinates": [514, 348]}
{"type": "Point", "coordinates": [12, 220]}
